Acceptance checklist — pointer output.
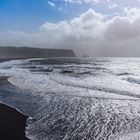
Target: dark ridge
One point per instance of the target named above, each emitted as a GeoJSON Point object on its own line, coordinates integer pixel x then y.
{"type": "Point", "coordinates": [29, 52]}
{"type": "Point", "coordinates": [12, 124]}
{"type": "Point", "coordinates": [133, 80]}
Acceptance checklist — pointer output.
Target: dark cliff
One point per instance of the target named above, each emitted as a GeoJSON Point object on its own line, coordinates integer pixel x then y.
{"type": "Point", "coordinates": [27, 52]}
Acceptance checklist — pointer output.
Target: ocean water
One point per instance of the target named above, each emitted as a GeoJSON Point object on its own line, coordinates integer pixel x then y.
{"type": "Point", "coordinates": [76, 99]}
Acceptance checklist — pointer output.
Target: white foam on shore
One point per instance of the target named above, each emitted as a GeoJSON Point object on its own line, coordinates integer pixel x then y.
{"type": "Point", "coordinates": [100, 87]}
{"type": "Point", "coordinates": [62, 85]}
{"type": "Point", "coordinates": [129, 136]}
{"type": "Point", "coordinates": [47, 85]}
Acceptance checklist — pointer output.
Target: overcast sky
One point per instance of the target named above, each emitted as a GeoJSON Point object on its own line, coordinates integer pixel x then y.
{"type": "Point", "coordinates": [93, 27]}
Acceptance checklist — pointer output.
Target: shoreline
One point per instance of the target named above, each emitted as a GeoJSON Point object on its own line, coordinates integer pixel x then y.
{"type": "Point", "coordinates": [12, 123]}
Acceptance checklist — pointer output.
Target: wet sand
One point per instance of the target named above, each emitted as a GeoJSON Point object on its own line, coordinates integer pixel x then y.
{"type": "Point", "coordinates": [12, 124]}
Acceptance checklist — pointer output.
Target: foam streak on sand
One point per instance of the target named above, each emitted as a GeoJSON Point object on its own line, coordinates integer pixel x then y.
{"type": "Point", "coordinates": [78, 99]}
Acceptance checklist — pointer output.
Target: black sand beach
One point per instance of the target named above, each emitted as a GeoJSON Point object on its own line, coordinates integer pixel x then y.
{"type": "Point", "coordinates": [12, 124]}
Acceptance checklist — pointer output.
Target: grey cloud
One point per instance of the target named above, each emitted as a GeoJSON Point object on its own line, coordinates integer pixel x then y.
{"type": "Point", "coordinates": [90, 33]}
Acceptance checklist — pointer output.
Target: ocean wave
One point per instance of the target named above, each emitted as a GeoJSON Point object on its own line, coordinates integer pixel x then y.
{"type": "Point", "coordinates": [133, 80]}
{"type": "Point", "coordinates": [69, 107]}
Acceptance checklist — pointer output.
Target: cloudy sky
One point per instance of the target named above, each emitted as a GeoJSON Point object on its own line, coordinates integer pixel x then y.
{"type": "Point", "coordinates": [93, 27]}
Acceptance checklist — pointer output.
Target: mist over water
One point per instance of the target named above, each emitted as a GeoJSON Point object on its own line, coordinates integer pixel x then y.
{"type": "Point", "coordinates": [70, 98]}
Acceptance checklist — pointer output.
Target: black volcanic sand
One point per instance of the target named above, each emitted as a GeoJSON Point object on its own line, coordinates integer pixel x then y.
{"type": "Point", "coordinates": [12, 122]}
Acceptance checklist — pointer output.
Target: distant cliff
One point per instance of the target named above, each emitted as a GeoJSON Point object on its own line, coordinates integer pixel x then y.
{"type": "Point", "coordinates": [27, 52]}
